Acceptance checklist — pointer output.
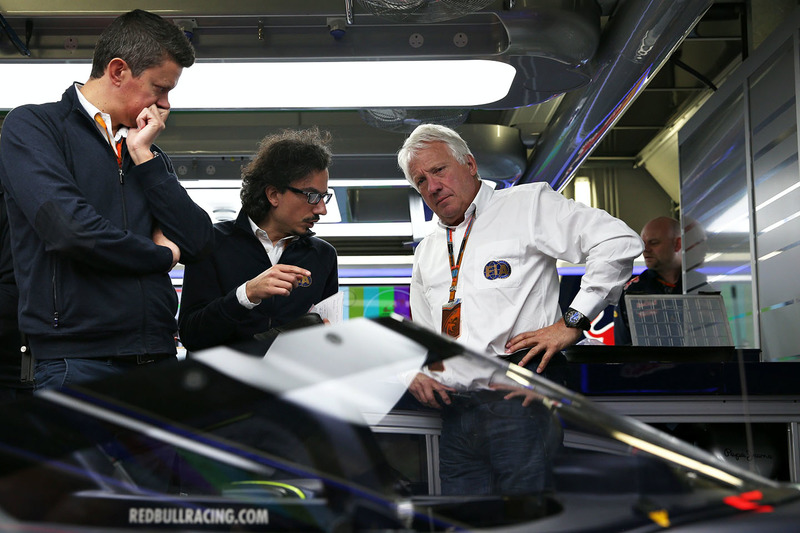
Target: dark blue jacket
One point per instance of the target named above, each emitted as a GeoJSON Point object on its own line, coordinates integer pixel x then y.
{"type": "Point", "coordinates": [211, 315]}
{"type": "Point", "coordinates": [648, 282]}
{"type": "Point", "coordinates": [91, 280]}
{"type": "Point", "coordinates": [10, 339]}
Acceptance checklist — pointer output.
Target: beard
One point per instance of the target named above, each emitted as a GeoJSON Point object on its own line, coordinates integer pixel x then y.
{"type": "Point", "coordinates": [309, 232]}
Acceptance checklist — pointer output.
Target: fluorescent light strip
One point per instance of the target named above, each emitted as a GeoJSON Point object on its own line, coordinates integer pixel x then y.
{"type": "Point", "coordinates": [351, 84]}
{"type": "Point", "coordinates": [369, 183]}
{"type": "Point", "coordinates": [237, 184]}
{"type": "Point", "coordinates": [376, 260]}
{"type": "Point", "coordinates": [364, 229]}
{"type": "Point", "coordinates": [375, 281]}
{"type": "Point", "coordinates": [212, 184]}
{"type": "Point", "coordinates": [289, 85]}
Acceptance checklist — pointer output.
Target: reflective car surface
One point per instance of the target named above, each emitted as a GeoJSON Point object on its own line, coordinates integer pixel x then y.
{"type": "Point", "coordinates": [228, 442]}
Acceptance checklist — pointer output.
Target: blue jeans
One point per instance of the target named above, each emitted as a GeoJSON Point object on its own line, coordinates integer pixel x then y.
{"type": "Point", "coordinates": [497, 446]}
{"type": "Point", "coordinates": [12, 394]}
{"type": "Point", "coordinates": [58, 373]}
{"type": "Point", "coordinates": [150, 463]}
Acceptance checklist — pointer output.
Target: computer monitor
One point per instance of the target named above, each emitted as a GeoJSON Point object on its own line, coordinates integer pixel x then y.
{"type": "Point", "coordinates": [678, 320]}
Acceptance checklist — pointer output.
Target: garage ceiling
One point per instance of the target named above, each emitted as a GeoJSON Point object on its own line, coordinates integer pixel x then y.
{"type": "Point", "coordinates": [557, 43]}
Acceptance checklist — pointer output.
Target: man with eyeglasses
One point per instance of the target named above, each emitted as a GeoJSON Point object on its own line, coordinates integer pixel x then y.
{"type": "Point", "coordinates": [267, 268]}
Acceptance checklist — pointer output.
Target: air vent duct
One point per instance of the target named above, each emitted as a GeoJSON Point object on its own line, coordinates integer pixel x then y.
{"type": "Point", "coordinates": [401, 120]}
{"type": "Point", "coordinates": [424, 11]}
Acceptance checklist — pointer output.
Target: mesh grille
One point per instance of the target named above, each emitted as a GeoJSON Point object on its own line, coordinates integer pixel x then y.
{"type": "Point", "coordinates": [422, 10]}
{"type": "Point", "coordinates": [405, 120]}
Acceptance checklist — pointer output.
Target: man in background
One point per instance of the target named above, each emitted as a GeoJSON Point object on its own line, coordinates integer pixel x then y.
{"type": "Point", "coordinates": [487, 276]}
{"type": "Point", "coordinates": [662, 255]}
{"type": "Point", "coordinates": [267, 268]}
{"type": "Point", "coordinates": [97, 215]}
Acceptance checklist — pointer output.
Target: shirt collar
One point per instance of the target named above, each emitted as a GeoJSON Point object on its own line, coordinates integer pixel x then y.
{"type": "Point", "coordinates": [92, 111]}
{"type": "Point", "coordinates": [263, 237]}
{"type": "Point", "coordinates": [478, 204]}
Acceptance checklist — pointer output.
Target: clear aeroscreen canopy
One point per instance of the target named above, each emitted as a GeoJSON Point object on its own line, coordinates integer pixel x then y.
{"type": "Point", "coordinates": [296, 441]}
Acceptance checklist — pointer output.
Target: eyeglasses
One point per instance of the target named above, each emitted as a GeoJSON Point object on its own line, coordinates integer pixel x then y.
{"type": "Point", "coordinates": [313, 197]}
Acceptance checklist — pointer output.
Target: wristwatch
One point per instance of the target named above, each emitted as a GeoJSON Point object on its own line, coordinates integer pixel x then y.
{"type": "Point", "coordinates": [574, 319]}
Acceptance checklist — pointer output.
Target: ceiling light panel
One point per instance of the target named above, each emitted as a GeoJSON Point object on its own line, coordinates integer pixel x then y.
{"type": "Point", "coordinates": [291, 85]}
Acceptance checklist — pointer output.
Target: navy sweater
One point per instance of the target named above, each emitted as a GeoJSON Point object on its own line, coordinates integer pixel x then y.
{"type": "Point", "coordinates": [211, 315]}
{"type": "Point", "coordinates": [91, 280]}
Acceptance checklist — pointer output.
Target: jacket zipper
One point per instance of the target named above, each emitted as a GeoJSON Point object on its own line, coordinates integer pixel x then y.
{"type": "Point", "coordinates": [138, 279]}
{"type": "Point", "coordinates": [122, 193]}
{"type": "Point", "coordinates": [55, 293]}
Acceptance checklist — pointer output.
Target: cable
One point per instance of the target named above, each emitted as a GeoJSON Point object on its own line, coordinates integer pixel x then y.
{"type": "Point", "coordinates": [20, 46]}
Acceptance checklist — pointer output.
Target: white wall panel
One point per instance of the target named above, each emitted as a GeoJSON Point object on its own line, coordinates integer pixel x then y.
{"type": "Point", "coordinates": [740, 177]}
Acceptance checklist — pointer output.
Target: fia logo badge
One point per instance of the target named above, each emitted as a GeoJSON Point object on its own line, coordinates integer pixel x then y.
{"type": "Point", "coordinates": [305, 281]}
{"type": "Point", "coordinates": [496, 270]}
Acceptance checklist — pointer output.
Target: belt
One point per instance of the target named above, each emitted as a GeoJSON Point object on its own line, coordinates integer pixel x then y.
{"type": "Point", "coordinates": [142, 358]}
{"type": "Point", "coordinates": [515, 357]}
{"type": "Point", "coordinates": [474, 398]}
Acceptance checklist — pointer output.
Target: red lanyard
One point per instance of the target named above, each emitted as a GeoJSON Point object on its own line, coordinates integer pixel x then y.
{"type": "Point", "coordinates": [455, 267]}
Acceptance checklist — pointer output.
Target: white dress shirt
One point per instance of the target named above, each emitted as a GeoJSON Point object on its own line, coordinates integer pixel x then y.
{"type": "Point", "coordinates": [273, 251]}
{"type": "Point", "coordinates": [528, 227]}
{"type": "Point", "coordinates": [93, 111]}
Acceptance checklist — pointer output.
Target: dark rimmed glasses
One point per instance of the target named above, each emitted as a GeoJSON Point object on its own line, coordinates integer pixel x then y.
{"type": "Point", "coordinates": [313, 197]}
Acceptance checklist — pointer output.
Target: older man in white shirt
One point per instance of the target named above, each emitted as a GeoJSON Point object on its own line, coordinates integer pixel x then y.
{"type": "Point", "coordinates": [487, 276]}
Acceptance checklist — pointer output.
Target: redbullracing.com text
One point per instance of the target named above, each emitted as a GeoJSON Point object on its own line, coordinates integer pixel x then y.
{"type": "Point", "coordinates": [184, 515]}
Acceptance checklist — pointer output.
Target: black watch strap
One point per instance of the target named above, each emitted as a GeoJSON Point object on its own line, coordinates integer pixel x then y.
{"type": "Point", "coordinates": [575, 319]}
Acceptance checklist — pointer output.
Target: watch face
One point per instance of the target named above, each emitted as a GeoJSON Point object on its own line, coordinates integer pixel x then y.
{"type": "Point", "coordinates": [572, 318]}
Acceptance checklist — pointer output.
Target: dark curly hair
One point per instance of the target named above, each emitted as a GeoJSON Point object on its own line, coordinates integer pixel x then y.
{"type": "Point", "coordinates": [281, 160]}
{"type": "Point", "coordinates": [143, 40]}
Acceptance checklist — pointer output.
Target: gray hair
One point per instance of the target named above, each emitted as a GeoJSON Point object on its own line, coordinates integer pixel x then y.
{"type": "Point", "coordinates": [426, 134]}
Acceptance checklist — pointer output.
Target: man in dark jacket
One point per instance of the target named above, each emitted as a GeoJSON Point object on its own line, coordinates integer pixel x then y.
{"type": "Point", "coordinates": [98, 217]}
{"type": "Point", "coordinates": [13, 385]}
{"type": "Point", "coordinates": [267, 268]}
{"type": "Point", "coordinates": [662, 255]}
